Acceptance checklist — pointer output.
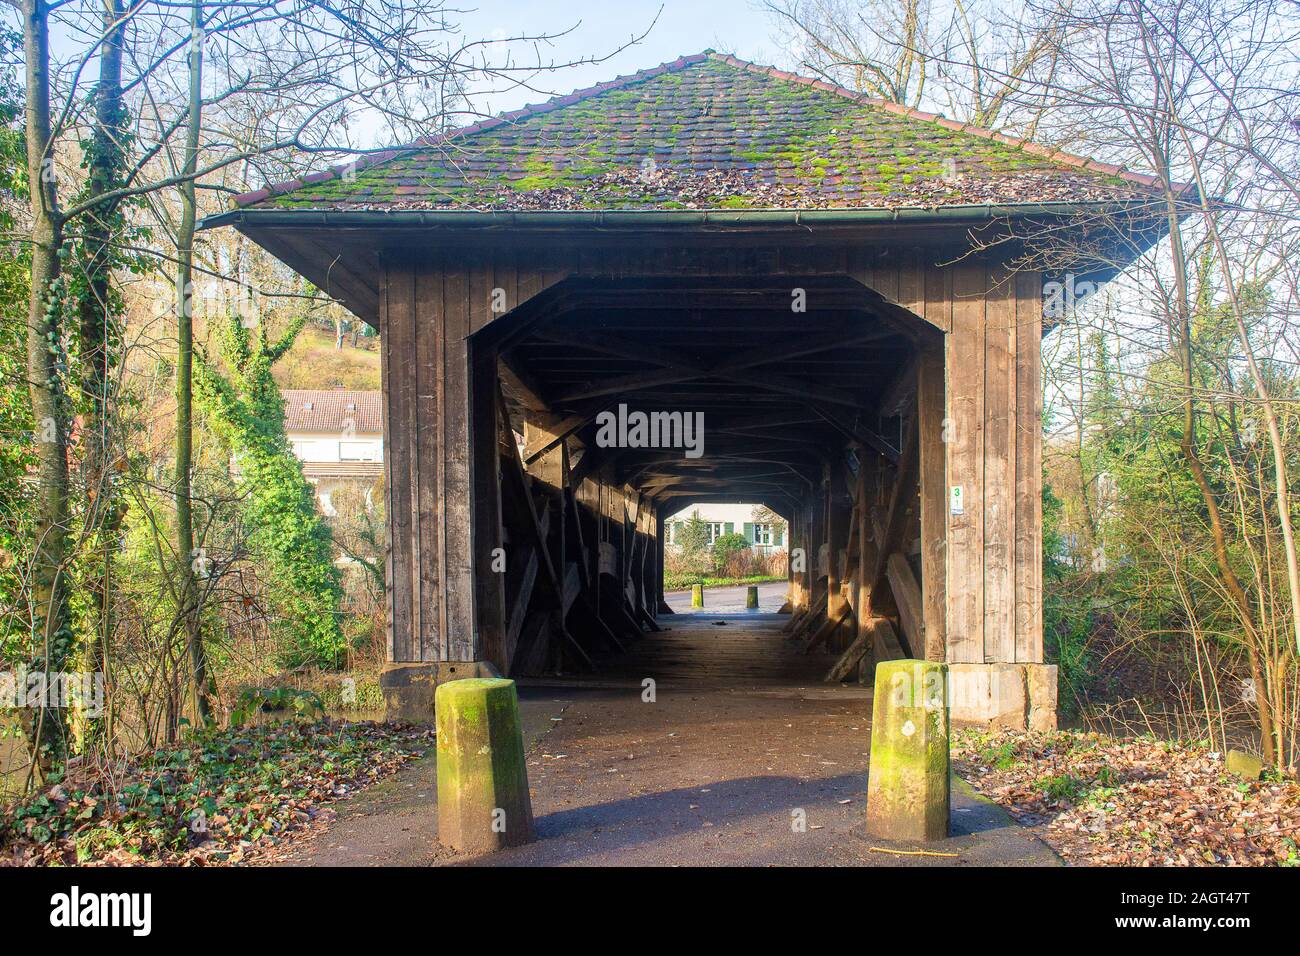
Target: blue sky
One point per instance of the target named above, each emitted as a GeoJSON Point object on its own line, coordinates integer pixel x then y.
{"type": "Point", "coordinates": [683, 26]}
{"type": "Point", "coordinates": [591, 28]}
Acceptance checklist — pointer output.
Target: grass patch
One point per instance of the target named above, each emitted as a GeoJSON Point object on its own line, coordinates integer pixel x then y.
{"type": "Point", "coordinates": [314, 362]}
{"type": "Point", "coordinates": [1001, 756]}
{"type": "Point", "coordinates": [682, 582]}
{"type": "Point", "coordinates": [1063, 787]}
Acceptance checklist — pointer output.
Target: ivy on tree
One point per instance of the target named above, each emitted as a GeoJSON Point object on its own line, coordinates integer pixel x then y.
{"type": "Point", "coordinates": [246, 411]}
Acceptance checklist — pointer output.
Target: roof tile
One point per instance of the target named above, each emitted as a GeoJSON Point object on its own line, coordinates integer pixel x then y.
{"type": "Point", "coordinates": [332, 410]}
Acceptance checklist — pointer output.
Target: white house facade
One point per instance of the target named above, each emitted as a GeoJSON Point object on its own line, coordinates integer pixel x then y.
{"type": "Point", "coordinates": [338, 435]}
{"type": "Point", "coordinates": [766, 536]}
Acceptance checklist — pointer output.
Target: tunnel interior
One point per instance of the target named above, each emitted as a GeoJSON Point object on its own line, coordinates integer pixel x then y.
{"type": "Point", "coordinates": [624, 401]}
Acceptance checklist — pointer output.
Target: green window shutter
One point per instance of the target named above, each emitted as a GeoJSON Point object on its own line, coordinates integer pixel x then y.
{"type": "Point", "coordinates": [729, 528]}
{"type": "Point", "coordinates": [776, 535]}
{"type": "Point", "coordinates": [749, 531]}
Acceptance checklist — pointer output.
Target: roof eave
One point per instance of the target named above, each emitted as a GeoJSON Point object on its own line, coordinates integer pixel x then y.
{"type": "Point", "coordinates": [636, 218]}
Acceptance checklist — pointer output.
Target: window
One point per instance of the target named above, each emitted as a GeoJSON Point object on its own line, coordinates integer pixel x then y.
{"type": "Point", "coordinates": [356, 451]}
{"type": "Point", "coordinates": [715, 531]}
{"type": "Point", "coordinates": [762, 534]}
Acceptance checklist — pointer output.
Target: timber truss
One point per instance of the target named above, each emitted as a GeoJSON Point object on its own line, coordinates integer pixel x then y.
{"type": "Point", "coordinates": [807, 389]}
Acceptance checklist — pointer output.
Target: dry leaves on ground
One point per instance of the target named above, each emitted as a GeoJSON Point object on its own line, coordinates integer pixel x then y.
{"type": "Point", "coordinates": [222, 797]}
{"type": "Point", "coordinates": [1103, 801]}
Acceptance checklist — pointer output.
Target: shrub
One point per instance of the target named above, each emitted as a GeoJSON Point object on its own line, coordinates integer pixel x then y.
{"type": "Point", "coordinates": [727, 545]}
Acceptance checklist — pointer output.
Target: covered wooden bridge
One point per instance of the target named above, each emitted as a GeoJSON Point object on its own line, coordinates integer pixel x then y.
{"type": "Point", "coordinates": [708, 281]}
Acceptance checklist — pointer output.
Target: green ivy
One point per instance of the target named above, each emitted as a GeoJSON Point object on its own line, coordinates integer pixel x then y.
{"type": "Point", "coordinates": [289, 535]}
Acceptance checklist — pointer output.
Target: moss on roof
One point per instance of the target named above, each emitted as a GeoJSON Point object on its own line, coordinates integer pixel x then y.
{"type": "Point", "coordinates": [708, 132]}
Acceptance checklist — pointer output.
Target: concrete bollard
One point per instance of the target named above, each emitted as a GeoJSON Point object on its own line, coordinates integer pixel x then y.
{"type": "Point", "coordinates": [751, 598]}
{"type": "Point", "coordinates": [483, 801]}
{"type": "Point", "coordinates": [908, 790]}
{"type": "Point", "coordinates": [697, 595]}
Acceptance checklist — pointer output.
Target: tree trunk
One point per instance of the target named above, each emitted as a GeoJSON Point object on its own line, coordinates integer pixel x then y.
{"type": "Point", "coordinates": [44, 725]}
{"type": "Point", "coordinates": [100, 334]}
{"type": "Point", "coordinates": [1183, 337]}
{"type": "Point", "coordinates": [187, 559]}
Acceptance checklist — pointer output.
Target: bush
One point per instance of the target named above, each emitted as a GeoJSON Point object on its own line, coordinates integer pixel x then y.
{"type": "Point", "coordinates": [727, 545]}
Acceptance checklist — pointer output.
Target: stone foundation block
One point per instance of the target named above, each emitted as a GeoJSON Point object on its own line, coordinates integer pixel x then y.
{"type": "Point", "coordinates": [408, 688]}
{"type": "Point", "coordinates": [1003, 696]}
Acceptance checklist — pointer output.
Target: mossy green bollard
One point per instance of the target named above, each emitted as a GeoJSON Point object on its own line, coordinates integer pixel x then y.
{"type": "Point", "coordinates": [751, 598]}
{"type": "Point", "coordinates": [483, 801]}
{"type": "Point", "coordinates": [907, 781]}
{"type": "Point", "coordinates": [697, 595]}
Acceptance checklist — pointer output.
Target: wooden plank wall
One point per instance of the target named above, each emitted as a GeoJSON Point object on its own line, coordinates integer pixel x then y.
{"type": "Point", "coordinates": [439, 428]}
{"type": "Point", "coordinates": [994, 569]}
{"type": "Point", "coordinates": [993, 553]}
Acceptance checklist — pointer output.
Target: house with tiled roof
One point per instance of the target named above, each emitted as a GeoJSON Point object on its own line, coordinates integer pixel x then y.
{"type": "Point", "coordinates": [791, 295]}
{"type": "Point", "coordinates": [338, 435]}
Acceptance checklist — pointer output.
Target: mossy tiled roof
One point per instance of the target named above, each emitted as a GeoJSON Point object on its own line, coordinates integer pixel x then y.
{"type": "Point", "coordinates": [708, 132]}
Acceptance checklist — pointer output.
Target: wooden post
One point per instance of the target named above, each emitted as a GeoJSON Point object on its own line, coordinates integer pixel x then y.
{"type": "Point", "coordinates": [866, 542]}
{"type": "Point", "coordinates": [816, 552]}
{"type": "Point", "coordinates": [485, 507]}
{"type": "Point", "coordinates": [795, 592]}
{"type": "Point", "coordinates": [994, 624]}
{"type": "Point", "coordinates": [932, 419]}
{"type": "Point", "coordinates": [965, 449]}
{"type": "Point", "coordinates": [837, 533]}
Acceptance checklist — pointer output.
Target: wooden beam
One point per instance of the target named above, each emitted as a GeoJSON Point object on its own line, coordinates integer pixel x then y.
{"type": "Point", "coordinates": [907, 595]}
{"type": "Point", "coordinates": [828, 627]}
{"type": "Point", "coordinates": [838, 519]}
{"type": "Point", "coordinates": [518, 484]}
{"type": "Point", "coordinates": [785, 385]}
{"type": "Point", "coordinates": [875, 632]}
{"type": "Point", "coordinates": [676, 369]}
{"type": "Point", "coordinates": [902, 496]}
{"type": "Point", "coordinates": [518, 596]}
{"type": "Point", "coordinates": [855, 431]}
{"type": "Point", "coordinates": [533, 645]}
{"type": "Point", "coordinates": [521, 384]}
{"type": "Point", "coordinates": [1029, 469]}
{"type": "Point", "coordinates": [899, 394]}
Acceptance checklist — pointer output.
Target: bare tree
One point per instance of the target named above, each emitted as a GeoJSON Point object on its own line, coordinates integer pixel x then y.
{"type": "Point", "coordinates": [194, 101]}
{"type": "Point", "coordinates": [1202, 92]}
{"type": "Point", "coordinates": [976, 63]}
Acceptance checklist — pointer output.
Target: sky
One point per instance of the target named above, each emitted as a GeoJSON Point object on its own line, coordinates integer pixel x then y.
{"type": "Point", "coordinates": [590, 28]}
{"type": "Point", "coordinates": [599, 26]}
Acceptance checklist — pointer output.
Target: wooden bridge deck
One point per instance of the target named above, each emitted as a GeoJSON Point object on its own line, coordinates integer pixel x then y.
{"type": "Point", "coordinates": [738, 650]}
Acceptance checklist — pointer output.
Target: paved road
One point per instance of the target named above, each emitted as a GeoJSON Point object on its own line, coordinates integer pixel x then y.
{"type": "Point", "coordinates": [744, 757]}
{"type": "Point", "coordinates": [770, 598]}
